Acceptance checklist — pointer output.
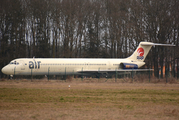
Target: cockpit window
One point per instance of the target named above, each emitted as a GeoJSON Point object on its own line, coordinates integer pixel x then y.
{"type": "Point", "coordinates": [15, 63]}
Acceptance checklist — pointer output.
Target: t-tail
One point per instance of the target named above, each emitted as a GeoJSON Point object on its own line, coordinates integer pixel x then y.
{"type": "Point", "coordinates": [142, 51]}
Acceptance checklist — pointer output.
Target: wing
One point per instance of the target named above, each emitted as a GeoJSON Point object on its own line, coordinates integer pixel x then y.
{"type": "Point", "coordinates": [95, 71]}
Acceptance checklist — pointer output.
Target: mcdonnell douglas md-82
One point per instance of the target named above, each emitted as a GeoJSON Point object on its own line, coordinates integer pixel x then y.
{"type": "Point", "coordinates": [79, 66]}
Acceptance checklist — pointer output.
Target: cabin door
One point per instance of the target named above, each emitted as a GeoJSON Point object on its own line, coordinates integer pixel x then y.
{"type": "Point", "coordinates": [22, 64]}
{"type": "Point", "coordinates": [109, 65]}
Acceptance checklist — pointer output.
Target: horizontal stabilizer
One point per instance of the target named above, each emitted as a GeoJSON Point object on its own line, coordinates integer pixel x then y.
{"type": "Point", "coordinates": [153, 44]}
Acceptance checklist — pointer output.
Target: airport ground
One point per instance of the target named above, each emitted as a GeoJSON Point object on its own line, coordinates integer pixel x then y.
{"type": "Point", "coordinates": [97, 99]}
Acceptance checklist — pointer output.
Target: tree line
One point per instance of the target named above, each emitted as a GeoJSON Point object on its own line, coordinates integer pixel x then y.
{"type": "Point", "coordinates": [89, 29]}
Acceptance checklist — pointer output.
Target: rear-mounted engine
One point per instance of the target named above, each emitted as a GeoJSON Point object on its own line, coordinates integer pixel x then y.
{"type": "Point", "coordinates": [128, 66]}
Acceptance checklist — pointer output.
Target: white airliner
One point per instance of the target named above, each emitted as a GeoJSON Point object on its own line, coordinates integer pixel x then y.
{"type": "Point", "coordinates": [79, 66]}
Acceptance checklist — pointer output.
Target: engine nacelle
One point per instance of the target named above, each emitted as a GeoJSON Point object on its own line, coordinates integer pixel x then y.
{"type": "Point", "coordinates": [128, 66]}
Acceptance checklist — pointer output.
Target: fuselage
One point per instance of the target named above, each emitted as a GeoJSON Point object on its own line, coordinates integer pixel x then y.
{"type": "Point", "coordinates": [66, 66]}
{"type": "Point", "coordinates": [62, 66]}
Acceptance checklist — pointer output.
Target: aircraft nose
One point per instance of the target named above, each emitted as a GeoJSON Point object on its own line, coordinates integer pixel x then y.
{"type": "Point", "coordinates": [6, 70]}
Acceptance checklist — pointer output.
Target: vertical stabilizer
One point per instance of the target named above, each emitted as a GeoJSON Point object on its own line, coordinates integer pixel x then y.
{"type": "Point", "coordinates": [143, 49]}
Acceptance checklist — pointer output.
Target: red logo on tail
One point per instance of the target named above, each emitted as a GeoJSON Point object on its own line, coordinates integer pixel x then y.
{"type": "Point", "coordinates": [140, 52]}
